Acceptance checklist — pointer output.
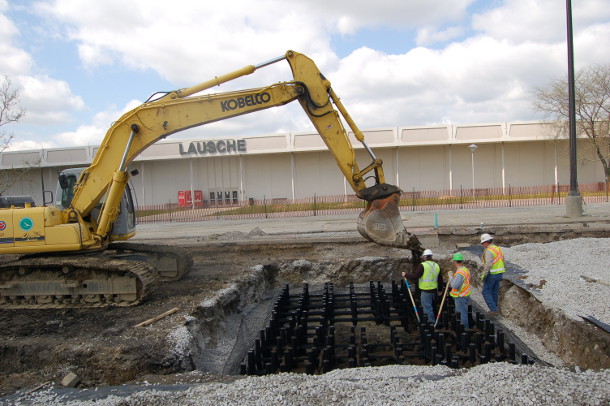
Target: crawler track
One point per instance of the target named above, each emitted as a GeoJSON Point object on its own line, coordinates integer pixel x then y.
{"type": "Point", "coordinates": [74, 282]}
{"type": "Point", "coordinates": [123, 275]}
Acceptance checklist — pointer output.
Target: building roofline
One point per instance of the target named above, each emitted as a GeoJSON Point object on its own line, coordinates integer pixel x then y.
{"type": "Point", "coordinates": [301, 141]}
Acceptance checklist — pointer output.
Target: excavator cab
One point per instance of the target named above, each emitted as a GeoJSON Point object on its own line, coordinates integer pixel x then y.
{"type": "Point", "coordinates": [65, 187]}
{"type": "Point", "coordinates": [123, 227]}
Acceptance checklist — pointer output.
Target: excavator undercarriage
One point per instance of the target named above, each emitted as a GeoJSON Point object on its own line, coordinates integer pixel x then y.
{"type": "Point", "coordinates": [123, 275]}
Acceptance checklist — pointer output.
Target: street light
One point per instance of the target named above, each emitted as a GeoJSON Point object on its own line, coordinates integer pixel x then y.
{"type": "Point", "coordinates": [472, 147]}
{"type": "Point", "coordinates": [573, 200]}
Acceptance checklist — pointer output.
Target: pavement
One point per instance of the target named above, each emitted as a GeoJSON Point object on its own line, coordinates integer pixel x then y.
{"type": "Point", "coordinates": [414, 221]}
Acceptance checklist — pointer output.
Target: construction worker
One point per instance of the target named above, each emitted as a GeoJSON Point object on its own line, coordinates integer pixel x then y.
{"type": "Point", "coordinates": [460, 288]}
{"type": "Point", "coordinates": [493, 268]}
{"type": "Point", "coordinates": [429, 282]}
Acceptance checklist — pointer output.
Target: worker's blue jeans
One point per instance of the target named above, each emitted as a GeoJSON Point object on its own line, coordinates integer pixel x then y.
{"type": "Point", "coordinates": [491, 287]}
{"type": "Point", "coordinates": [426, 301]}
{"type": "Point", "coordinates": [461, 307]}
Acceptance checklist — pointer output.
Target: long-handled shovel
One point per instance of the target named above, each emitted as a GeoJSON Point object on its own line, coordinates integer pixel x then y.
{"type": "Point", "coordinates": [412, 301]}
{"type": "Point", "coordinates": [440, 309]}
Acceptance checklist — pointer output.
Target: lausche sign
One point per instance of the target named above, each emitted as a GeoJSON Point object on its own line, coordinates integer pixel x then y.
{"type": "Point", "coordinates": [213, 147]}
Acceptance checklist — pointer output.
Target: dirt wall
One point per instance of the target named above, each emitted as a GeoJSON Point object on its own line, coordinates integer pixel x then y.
{"type": "Point", "coordinates": [577, 343]}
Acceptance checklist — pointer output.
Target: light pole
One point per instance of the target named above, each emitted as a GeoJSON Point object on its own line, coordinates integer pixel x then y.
{"type": "Point", "coordinates": [472, 147]}
{"type": "Point", "coordinates": [573, 200]}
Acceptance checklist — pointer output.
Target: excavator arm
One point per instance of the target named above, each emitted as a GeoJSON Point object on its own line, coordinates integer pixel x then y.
{"type": "Point", "coordinates": [182, 109]}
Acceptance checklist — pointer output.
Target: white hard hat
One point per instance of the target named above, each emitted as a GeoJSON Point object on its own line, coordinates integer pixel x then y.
{"type": "Point", "coordinates": [485, 238]}
{"type": "Point", "coordinates": [427, 253]}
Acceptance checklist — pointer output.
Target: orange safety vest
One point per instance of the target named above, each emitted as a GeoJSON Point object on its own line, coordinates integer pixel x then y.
{"type": "Point", "coordinates": [497, 263]}
{"type": "Point", "coordinates": [465, 288]}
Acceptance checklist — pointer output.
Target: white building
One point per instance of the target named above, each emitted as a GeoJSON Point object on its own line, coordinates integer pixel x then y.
{"type": "Point", "coordinates": [295, 165]}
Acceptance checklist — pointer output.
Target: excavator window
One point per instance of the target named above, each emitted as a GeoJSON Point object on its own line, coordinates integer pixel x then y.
{"type": "Point", "coordinates": [67, 193]}
{"type": "Point", "coordinates": [130, 208]}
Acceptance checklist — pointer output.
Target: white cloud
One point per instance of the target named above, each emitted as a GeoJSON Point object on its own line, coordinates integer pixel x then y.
{"type": "Point", "coordinates": [93, 134]}
{"type": "Point", "coordinates": [538, 20]}
{"type": "Point", "coordinates": [589, 45]}
{"type": "Point", "coordinates": [46, 100]}
{"type": "Point", "coordinates": [351, 15]}
{"type": "Point", "coordinates": [431, 35]}
{"type": "Point", "coordinates": [14, 60]}
{"type": "Point", "coordinates": [472, 81]}
{"type": "Point", "coordinates": [195, 39]}
{"type": "Point", "coordinates": [93, 56]}
{"type": "Point", "coordinates": [83, 135]}
{"type": "Point", "coordinates": [346, 25]}
{"type": "Point", "coordinates": [25, 145]}
{"type": "Point", "coordinates": [189, 42]}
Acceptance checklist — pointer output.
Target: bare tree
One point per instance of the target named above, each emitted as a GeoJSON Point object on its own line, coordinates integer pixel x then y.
{"type": "Point", "coordinates": [592, 108]}
{"type": "Point", "coordinates": [10, 112]}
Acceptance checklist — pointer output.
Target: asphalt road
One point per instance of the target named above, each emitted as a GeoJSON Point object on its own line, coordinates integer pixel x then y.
{"type": "Point", "coordinates": [598, 212]}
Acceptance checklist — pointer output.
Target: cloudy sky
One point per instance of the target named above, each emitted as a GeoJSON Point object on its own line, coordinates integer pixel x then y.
{"type": "Point", "coordinates": [80, 64]}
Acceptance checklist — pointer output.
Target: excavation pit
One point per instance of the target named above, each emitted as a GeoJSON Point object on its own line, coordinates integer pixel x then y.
{"type": "Point", "coordinates": [317, 330]}
{"type": "Point", "coordinates": [228, 299]}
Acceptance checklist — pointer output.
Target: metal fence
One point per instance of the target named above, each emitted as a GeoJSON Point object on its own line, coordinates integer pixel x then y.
{"type": "Point", "coordinates": [425, 200]}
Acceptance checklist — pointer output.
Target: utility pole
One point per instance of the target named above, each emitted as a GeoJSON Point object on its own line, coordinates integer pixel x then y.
{"type": "Point", "coordinates": [573, 200]}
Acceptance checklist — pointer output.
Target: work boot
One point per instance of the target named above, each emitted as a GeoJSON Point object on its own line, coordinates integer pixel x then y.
{"type": "Point", "coordinates": [492, 314]}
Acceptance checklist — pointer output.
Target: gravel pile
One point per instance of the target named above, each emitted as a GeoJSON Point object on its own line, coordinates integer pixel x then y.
{"type": "Point", "coordinates": [571, 275]}
{"type": "Point", "coordinates": [490, 384]}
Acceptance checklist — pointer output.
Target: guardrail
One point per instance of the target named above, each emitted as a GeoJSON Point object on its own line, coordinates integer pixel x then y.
{"type": "Point", "coordinates": [413, 200]}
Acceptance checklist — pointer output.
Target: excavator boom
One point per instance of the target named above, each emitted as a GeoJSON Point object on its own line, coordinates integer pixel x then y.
{"type": "Point", "coordinates": [182, 109]}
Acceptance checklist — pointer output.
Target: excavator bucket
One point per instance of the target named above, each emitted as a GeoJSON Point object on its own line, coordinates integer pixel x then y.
{"type": "Point", "coordinates": [381, 223]}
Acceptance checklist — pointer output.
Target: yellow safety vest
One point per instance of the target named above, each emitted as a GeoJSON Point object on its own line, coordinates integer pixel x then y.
{"type": "Point", "coordinates": [428, 280]}
{"type": "Point", "coordinates": [497, 263]}
{"type": "Point", "coordinates": [465, 288]}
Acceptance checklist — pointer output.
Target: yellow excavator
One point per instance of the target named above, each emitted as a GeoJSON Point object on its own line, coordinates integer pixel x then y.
{"type": "Point", "coordinates": [75, 251]}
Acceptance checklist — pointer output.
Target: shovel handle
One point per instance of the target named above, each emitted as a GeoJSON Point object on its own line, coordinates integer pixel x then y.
{"type": "Point", "coordinates": [412, 301]}
{"type": "Point", "coordinates": [440, 309]}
